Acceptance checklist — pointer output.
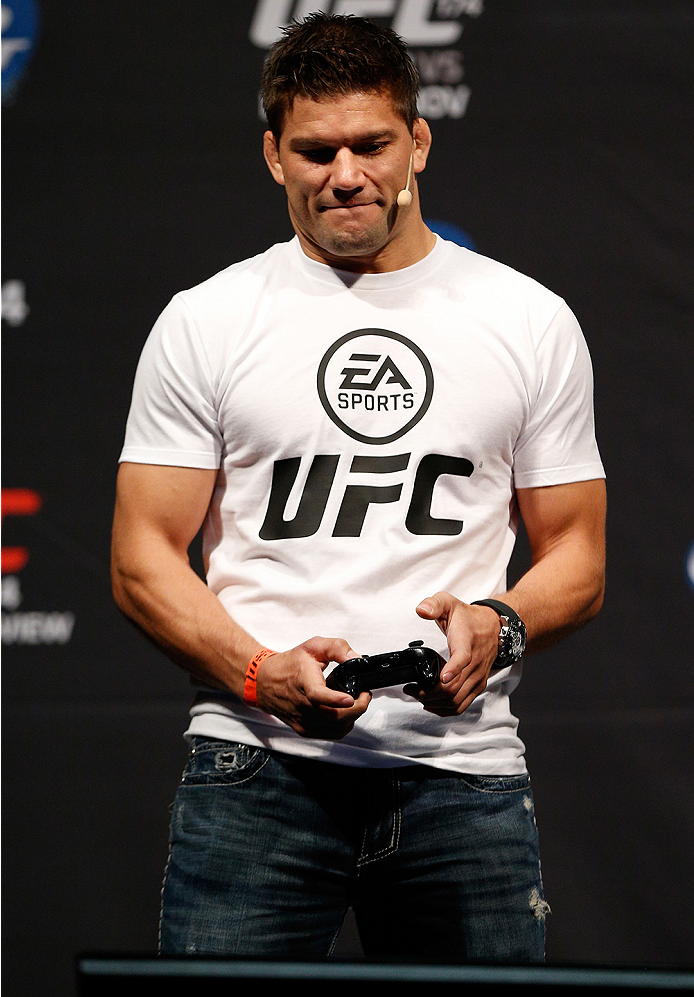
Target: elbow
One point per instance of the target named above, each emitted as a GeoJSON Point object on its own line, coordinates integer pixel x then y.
{"type": "Point", "coordinates": [596, 597]}
{"type": "Point", "coordinates": [595, 607]}
{"type": "Point", "coordinates": [119, 589]}
{"type": "Point", "coordinates": [122, 583]}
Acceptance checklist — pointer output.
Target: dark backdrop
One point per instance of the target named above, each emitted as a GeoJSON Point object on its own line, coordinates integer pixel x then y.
{"type": "Point", "coordinates": [132, 169]}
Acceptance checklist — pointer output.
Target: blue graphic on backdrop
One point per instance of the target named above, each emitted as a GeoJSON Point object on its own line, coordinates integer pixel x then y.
{"type": "Point", "coordinates": [447, 230]}
{"type": "Point", "coordinates": [689, 565]}
{"type": "Point", "coordinates": [20, 23]}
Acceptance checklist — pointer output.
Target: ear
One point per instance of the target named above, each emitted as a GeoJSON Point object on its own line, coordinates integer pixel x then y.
{"type": "Point", "coordinates": [422, 144]}
{"type": "Point", "coordinates": [272, 157]}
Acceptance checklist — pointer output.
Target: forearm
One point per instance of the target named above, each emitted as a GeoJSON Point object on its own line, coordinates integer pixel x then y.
{"type": "Point", "coordinates": [559, 593]}
{"type": "Point", "coordinates": [156, 588]}
{"type": "Point", "coordinates": [159, 510]}
{"type": "Point", "coordinates": [163, 596]}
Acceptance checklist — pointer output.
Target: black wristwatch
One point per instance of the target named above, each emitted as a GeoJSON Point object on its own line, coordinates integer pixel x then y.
{"type": "Point", "coordinates": [512, 636]}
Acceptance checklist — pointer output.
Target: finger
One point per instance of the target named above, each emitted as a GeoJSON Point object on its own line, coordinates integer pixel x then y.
{"type": "Point", "coordinates": [333, 724]}
{"type": "Point", "coordinates": [434, 606]}
{"type": "Point", "coordinates": [438, 695]}
{"type": "Point", "coordinates": [355, 709]}
{"type": "Point", "coordinates": [468, 682]}
{"type": "Point", "coordinates": [468, 690]}
{"type": "Point", "coordinates": [456, 666]}
{"type": "Point", "coordinates": [431, 698]}
{"type": "Point", "coordinates": [361, 703]}
{"type": "Point", "coordinates": [325, 650]}
{"type": "Point", "coordinates": [319, 695]}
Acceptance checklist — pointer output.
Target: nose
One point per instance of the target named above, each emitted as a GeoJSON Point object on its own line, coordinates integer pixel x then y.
{"type": "Point", "coordinates": [346, 176]}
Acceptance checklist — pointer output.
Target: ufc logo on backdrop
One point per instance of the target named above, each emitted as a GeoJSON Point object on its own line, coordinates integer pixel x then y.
{"type": "Point", "coordinates": [17, 502]}
{"type": "Point", "coordinates": [419, 22]}
{"type": "Point", "coordinates": [357, 498]}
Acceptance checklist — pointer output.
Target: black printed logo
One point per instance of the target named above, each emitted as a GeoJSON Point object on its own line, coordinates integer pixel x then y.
{"type": "Point", "coordinates": [358, 498]}
{"type": "Point", "coordinates": [375, 385]}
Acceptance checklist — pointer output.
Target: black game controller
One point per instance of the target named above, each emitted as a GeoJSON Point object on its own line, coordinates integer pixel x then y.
{"type": "Point", "coordinates": [375, 671]}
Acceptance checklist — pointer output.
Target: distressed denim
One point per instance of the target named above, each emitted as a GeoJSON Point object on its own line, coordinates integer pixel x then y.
{"type": "Point", "coordinates": [269, 851]}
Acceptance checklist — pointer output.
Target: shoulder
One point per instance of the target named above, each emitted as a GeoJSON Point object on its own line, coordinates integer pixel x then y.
{"type": "Point", "coordinates": [241, 281]}
{"type": "Point", "coordinates": [514, 305]}
{"type": "Point", "coordinates": [490, 276]}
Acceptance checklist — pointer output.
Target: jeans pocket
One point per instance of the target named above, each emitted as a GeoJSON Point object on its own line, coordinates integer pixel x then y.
{"type": "Point", "coordinates": [222, 763]}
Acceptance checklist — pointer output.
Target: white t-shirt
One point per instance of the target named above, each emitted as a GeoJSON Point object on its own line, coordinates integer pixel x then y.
{"type": "Point", "coordinates": [369, 431]}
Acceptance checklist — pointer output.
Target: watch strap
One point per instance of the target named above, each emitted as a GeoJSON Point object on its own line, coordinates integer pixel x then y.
{"type": "Point", "coordinates": [500, 607]}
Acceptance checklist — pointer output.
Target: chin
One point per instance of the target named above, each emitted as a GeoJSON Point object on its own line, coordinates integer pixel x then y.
{"type": "Point", "coordinates": [353, 243]}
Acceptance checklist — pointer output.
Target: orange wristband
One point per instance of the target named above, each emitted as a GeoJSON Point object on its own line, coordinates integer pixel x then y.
{"type": "Point", "coordinates": [249, 690]}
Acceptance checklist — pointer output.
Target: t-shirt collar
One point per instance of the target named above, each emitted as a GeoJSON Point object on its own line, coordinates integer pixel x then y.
{"type": "Point", "coordinates": [371, 281]}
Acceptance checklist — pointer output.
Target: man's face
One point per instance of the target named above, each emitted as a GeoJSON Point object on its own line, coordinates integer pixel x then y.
{"type": "Point", "coordinates": [343, 162]}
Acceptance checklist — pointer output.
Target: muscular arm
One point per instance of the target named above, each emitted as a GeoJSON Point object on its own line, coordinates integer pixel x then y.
{"type": "Point", "coordinates": [562, 590]}
{"type": "Point", "coordinates": [159, 510]}
{"type": "Point", "coordinates": [565, 585]}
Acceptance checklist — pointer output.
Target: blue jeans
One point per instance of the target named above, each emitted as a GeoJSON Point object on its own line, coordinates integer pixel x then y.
{"type": "Point", "coordinates": [268, 852]}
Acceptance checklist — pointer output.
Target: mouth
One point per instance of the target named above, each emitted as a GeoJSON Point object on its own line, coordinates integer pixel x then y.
{"type": "Point", "coordinates": [347, 207]}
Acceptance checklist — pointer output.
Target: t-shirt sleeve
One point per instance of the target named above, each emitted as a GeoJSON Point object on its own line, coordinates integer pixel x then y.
{"type": "Point", "coordinates": [557, 444]}
{"type": "Point", "coordinates": [173, 415]}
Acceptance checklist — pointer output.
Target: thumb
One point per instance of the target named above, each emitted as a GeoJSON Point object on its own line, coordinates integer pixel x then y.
{"type": "Point", "coordinates": [325, 650]}
{"type": "Point", "coordinates": [434, 606]}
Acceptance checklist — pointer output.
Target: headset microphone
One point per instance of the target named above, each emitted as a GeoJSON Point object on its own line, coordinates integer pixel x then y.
{"type": "Point", "coordinates": [405, 196]}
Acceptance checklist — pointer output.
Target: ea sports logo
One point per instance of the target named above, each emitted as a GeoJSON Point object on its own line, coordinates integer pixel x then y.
{"type": "Point", "coordinates": [375, 385]}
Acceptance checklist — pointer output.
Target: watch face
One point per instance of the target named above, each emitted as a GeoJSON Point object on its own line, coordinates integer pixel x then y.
{"type": "Point", "coordinates": [513, 643]}
{"type": "Point", "coordinates": [512, 639]}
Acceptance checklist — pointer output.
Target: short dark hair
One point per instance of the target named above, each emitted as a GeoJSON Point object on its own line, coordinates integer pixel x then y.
{"type": "Point", "coordinates": [331, 55]}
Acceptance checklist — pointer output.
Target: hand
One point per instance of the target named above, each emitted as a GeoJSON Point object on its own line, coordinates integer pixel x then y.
{"type": "Point", "coordinates": [291, 686]}
{"type": "Point", "coordinates": [473, 642]}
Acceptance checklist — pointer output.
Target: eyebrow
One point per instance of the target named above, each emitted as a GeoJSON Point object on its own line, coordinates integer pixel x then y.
{"type": "Point", "coordinates": [301, 143]}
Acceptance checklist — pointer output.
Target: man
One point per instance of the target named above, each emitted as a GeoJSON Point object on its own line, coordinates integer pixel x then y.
{"type": "Point", "coordinates": [357, 417]}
